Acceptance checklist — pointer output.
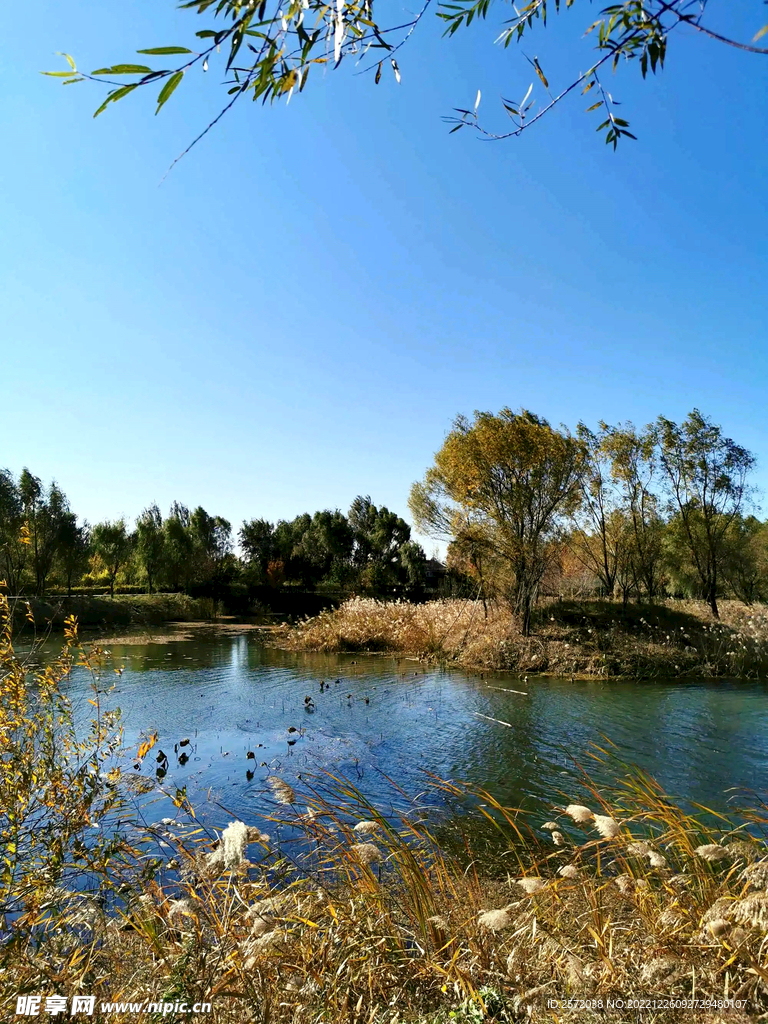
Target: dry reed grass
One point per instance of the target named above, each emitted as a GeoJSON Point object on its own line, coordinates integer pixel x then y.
{"type": "Point", "coordinates": [315, 926]}
{"type": "Point", "coordinates": [586, 639]}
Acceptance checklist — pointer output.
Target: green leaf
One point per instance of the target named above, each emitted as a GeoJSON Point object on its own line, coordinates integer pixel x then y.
{"type": "Point", "coordinates": [124, 69]}
{"type": "Point", "coordinates": [168, 88]}
{"type": "Point", "coordinates": [165, 51]}
{"type": "Point", "coordinates": [117, 94]}
{"type": "Point", "coordinates": [69, 59]}
{"type": "Point", "coordinates": [57, 74]}
{"type": "Point", "coordinates": [761, 33]}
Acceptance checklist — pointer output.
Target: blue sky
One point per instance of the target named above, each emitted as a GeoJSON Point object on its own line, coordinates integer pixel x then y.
{"type": "Point", "coordinates": [297, 313]}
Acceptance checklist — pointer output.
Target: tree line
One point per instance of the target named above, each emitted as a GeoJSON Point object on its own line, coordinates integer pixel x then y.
{"type": "Point", "coordinates": [620, 511]}
{"type": "Point", "coordinates": [45, 547]}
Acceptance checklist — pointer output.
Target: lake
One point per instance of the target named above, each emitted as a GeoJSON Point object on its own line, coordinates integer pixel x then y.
{"type": "Point", "coordinates": [377, 716]}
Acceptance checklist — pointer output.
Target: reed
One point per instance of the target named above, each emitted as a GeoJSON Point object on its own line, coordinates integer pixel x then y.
{"type": "Point", "coordinates": [602, 639]}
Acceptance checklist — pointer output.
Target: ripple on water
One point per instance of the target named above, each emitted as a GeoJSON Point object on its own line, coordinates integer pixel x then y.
{"type": "Point", "coordinates": [373, 717]}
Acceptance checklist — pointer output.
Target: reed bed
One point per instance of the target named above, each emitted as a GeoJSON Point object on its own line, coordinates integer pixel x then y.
{"type": "Point", "coordinates": [325, 909]}
{"type": "Point", "coordinates": [593, 639]}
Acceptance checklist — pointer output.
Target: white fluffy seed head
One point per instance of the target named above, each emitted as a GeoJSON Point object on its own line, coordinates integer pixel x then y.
{"type": "Point", "coordinates": [366, 853]}
{"type": "Point", "coordinates": [558, 838]}
{"type": "Point", "coordinates": [233, 842]}
{"type": "Point", "coordinates": [606, 826]}
{"type": "Point", "coordinates": [281, 791]}
{"type": "Point", "coordinates": [494, 920]}
{"type": "Point", "coordinates": [531, 885]}
{"type": "Point", "coordinates": [579, 813]}
{"type": "Point", "coordinates": [568, 871]}
{"type": "Point", "coordinates": [365, 828]}
{"type": "Point", "coordinates": [711, 852]}
{"type": "Point", "coordinates": [550, 826]}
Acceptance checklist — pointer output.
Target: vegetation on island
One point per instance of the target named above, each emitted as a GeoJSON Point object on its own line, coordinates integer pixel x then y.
{"type": "Point", "coordinates": [564, 550]}
{"type": "Point", "coordinates": [327, 907]}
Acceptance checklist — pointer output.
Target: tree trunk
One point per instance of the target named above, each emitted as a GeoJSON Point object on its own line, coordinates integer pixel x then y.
{"type": "Point", "coordinates": [713, 601]}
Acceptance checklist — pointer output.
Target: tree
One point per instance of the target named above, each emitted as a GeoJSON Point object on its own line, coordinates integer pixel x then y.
{"type": "Point", "coordinates": [113, 545]}
{"type": "Point", "coordinates": [745, 559]}
{"type": "Point", "coordinates": [74, 550]}
{"type": "Point", "coordinates": [518, 478]}
{"type": "Point", "coordinates": [599, 537]}
{"type": "Point", "coordinates": [211, 544]}
{"type": "Point", "coordinates": [634, 468]}
{"type": "Point", "coordinates": [178, 547]}
{"type": "Point", "coordinates": [379, 538]}
{"type": "Point", "coordinates": [706, 476]}
{"type": "Point", "coordinates": [14, 545]}
{"type": "Point", "coordinates": [269, 48]}
{"type": "Point", "coordinates": [150, 543]}
{"type": "Point", "coordinates": [258, 544]}
{"type": "Point", "coordinates": [45, 512]}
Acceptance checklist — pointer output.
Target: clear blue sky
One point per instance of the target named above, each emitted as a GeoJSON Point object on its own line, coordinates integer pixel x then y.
{"type": "Point", "coordinates": [296, 315]}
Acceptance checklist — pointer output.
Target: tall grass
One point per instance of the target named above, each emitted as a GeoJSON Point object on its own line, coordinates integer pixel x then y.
{"type": "Point", "coordinates": [591, 638]}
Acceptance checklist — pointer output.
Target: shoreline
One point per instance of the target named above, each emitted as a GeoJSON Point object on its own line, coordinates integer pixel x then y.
{"type": "Point", "coordinates": [586, 640]}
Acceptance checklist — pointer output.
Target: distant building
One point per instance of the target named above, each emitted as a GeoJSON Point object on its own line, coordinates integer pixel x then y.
{"type": "Point", "coordinates": [434, 574]}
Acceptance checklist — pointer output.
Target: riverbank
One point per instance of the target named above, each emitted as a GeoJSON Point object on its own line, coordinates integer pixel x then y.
{"type": "Point", "coordinates": [582, 639]}
{"type": "Point", "coordinates": [100, 612]}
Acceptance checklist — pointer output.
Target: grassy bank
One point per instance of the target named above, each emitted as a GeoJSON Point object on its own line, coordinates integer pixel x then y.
{"type": "Point", "coordinates": [121, 610]}
{"type": "Point", "coordinates": [595, 639]}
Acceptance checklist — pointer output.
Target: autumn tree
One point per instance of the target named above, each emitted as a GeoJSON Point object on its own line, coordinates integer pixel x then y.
{"type": "Point", "coordinates": [635, 471]}
{"type": "Point", "coordinates": [745, 559]}
{"type": "Point", "coordinates": [599, 535]}
{"type": "Point", "coordinates": [706, 478]}
{"type": "Point", "coordinates": [515, 475]}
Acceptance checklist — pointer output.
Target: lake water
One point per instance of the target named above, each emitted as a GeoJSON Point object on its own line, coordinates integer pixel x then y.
{"type": "Point", "coordinates": [377, 717]}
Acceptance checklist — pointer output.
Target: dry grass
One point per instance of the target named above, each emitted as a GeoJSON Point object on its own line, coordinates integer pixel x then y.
{"type": "Point", "coordinates": [313, 925]}
{"type": "Point", "coordinates": [578, 638]}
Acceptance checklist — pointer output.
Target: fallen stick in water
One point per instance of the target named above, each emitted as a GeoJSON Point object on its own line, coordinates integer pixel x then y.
{"type": "Point", "coordinates": [497, 720]}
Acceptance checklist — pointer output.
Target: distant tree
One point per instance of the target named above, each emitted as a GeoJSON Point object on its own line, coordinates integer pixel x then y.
{"type": "Point", "coordinates": [74, 551]}
{"type": "Point", "coordinates": [150, 543]}
{"type": "Point", "coordinates": [706, 476]}
{"type": "Point", "coordinates": [517, 477]}
{"type": "Point", "coordinates": [635, 469]}
{"type": "Point", "coordinates": [211, 545]}
{"type": "Point", "coordinates": [14, 546]}
{"type": "Point", "coordinates": [745, 559]}
{"type": "Point", "coordinates": [325, 547]}
{"type": "Point", "coordinates": [258, 544]}
{"type": "Point", "coordinates": [177, 547]}
{"type": "Point", "coordinates": [45, 511]}
{"type": "Point", "coordinates": [378, 533]}
{"type": "Point", "coordinates": [599, 534]}
{"type": "Point", "coordinates": [412, 567]}
{"type": "Point", "coordinates": [113, 545]}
